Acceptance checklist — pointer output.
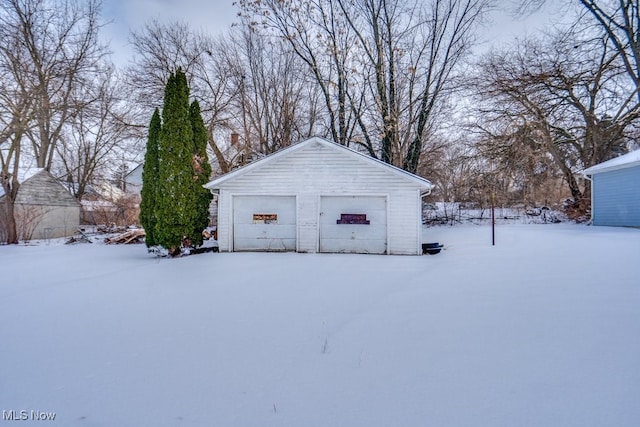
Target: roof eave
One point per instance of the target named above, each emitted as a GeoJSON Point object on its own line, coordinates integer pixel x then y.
{"type": "Point", "coordinates": [213, 184]}
{"type": "Point", "coordinates": [595, 169]}
{"type": "Point", "coordinates": [421, 182]}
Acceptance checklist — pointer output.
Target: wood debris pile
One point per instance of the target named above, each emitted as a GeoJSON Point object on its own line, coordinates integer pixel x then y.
{"type": "Point", "coordinates": [131, 236]}
{"type": "Point", "coordinates": [79, 237]}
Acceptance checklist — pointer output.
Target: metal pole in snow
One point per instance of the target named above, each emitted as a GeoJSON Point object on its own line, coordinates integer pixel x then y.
{"type": "Point", "coordinates": [493, 221]}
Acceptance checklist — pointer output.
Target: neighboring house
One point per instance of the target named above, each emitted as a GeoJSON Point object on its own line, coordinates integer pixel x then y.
{"type": "Point", "coordinates": [133, 180]}
{"type": "Point", "coordinates": [104, 203]}
{"type": "Point", "coordinates": [615, 191]}
{"type": "Point", "coordinates": [318, 196]}
{"type": "Point", "coordinates": [44, 208]}
{"type": "Point", "coordinates": [98, 212]}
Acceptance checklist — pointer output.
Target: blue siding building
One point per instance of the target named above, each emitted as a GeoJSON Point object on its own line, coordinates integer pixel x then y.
{"type": "Point", "coordinates": [615, 191]}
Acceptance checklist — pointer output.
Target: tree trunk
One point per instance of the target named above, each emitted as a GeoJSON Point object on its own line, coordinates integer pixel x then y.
{"type": "Point", "coordinates": [10, 218]}
{"type": "Point", "coordinates": [574, 187]}
{"type": "Point", "coordinates": [222, 162]}
{"type": "Point", "coordinates": [412, 158]}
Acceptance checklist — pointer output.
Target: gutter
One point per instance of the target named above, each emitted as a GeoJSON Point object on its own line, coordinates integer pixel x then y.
{"type": "Point", "coordinates": [427, 192]}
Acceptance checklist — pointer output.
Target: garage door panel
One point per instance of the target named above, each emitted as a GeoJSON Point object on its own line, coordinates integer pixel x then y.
{"type": "Point", "coordinates": [354, 231]}
{"type": "Point", "coordinates": [353, 238]}
{"type": "Point", "coordinates": [269, 245]}
{"type": "Point", "coordinates": [353, 246]}
{"type": "Point", "coordinates": [264, 223]}
{"type": "Point", "coordinates": [265, 231]}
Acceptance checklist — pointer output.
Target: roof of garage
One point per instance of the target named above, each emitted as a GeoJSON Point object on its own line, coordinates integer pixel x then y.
{"type": "Point", "coordinates": [419, 181]}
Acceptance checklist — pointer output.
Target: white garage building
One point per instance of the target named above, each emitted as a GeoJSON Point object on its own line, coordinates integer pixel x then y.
{"type": "Point", "coordinates": [318, 196]}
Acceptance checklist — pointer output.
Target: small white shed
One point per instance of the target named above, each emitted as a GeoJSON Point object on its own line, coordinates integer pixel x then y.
{"type": "Point", "coordinates": [318, 196]}
{"type": "Point", "coordinates": [44, 208]}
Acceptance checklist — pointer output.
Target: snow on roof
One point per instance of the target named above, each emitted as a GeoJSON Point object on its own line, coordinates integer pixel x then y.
{"type": "Point", "coordinates": [23, 175]}
{"type": "Point", "coordinates": [624, 161]}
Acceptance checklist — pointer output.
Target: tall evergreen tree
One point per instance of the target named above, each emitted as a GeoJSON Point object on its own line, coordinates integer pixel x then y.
{"type": "Point", "coordinates": [150, 181]}
{"type": "Point", "coordinates": [202, 173]}
{"type": "Point", "coordinates": [175, 207]}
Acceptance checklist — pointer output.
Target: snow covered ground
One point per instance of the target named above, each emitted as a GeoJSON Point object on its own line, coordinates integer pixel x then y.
{"type": "Point", "coordinates": [541, 330]}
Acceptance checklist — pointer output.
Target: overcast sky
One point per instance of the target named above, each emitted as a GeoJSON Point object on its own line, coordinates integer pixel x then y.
{"type": "Point", "coordinates": [216, 16]}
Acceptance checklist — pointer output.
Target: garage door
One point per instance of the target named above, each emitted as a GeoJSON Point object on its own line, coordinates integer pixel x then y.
{"type": "Point", "coordinates": [355, 224]}
{"type": "Point", "coordinates": [264, 223]}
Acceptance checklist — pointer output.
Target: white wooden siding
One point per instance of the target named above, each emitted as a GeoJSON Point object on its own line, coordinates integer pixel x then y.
{"type": "Point", "coordinates": [320, 170]}
{"type": "Point", "coordinates": [307, 222]}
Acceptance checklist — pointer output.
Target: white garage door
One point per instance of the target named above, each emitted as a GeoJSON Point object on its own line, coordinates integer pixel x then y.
{"type": "Point", "coordinates": [355, 224]}
{"type": "Point", "coordinates": [264, 223]}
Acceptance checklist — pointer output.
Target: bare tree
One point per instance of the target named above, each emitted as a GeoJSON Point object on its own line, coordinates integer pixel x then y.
{"type": "Point", "coordinates": [160, 49]}
{"type": "Point", "coordinates": [619, 20]}
{"type": "Point", "coordinates": [273, 101]}
{"type": "Point", "coordinates": [15, 113]}
{"type": "Point", "coordinates": [320, 36]}
{"type": "Point", "coordinates": [98, 134]}
{"type": "Point", "coordinates": [385, 67]}
{"type": "Point", "coordinates": [59, 49]}
{"type": "Point", "coordinates": [412, 49]}
{"type": "Point", "coordinates": [49, 49]}
{"type": "Point", "coordinates": [564, 100]}
{"type": "Point", "coordinates": [246, 85]}
{"type": "Point", "coordinates": [451, 170]}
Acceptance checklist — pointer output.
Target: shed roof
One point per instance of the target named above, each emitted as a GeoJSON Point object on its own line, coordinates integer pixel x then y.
{"type": "Point", "coordinates": [625, 161]}
{"type": "Point", "coordinates": [419, 181]}
{"type": "Point", "coordinates": [23, 175]}
{"type": "Point", "coordinates": [39, 187]}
